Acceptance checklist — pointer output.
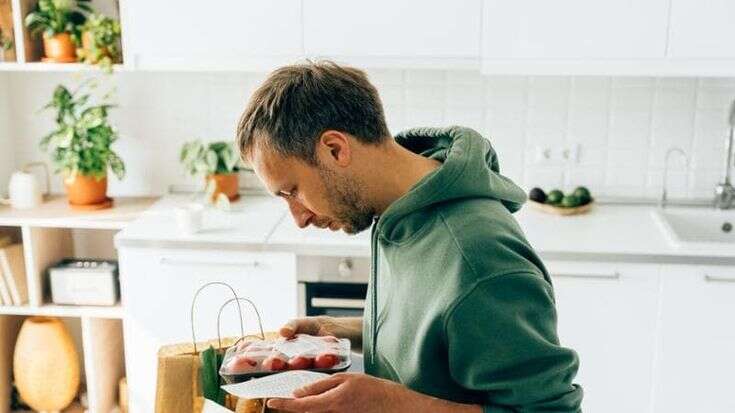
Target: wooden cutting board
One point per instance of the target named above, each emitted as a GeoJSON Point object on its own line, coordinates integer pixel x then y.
{"type": "Point", "coordinates": [550, 209]}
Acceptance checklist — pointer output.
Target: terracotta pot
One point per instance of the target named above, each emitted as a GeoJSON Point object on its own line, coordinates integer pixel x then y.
{"type": "Point", "coordinates": [59, 48]}
{"type": "Point", "coordinates": [86, 190]}
{"type": "Point", "coordinates": [227, 184]}
{"type": "Point", "coordinates": [46, 364]}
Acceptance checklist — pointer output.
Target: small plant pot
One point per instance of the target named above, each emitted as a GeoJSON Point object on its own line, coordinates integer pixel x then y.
{"type": "Point", "coordinates": [227, 184]}
{"type": "Point", "coordinates": [59, 48]}
{"type": "Point", "coordinates": [86, 191]}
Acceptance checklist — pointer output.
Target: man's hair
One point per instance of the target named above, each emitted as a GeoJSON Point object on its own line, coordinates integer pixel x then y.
{"type": "Point", "coordinates": [297, 103]}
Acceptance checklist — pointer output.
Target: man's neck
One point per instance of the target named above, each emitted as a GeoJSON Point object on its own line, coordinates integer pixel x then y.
{"type": "Point", "coordinates": [395, 172]}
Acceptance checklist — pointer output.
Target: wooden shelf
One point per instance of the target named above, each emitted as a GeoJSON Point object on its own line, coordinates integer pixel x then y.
{"type": "Point", "coordinates": [56, 213]}
{"type": "Point", "coordinates": [54, 67]}
{"type": "Point", "coordinates": [53, 310]}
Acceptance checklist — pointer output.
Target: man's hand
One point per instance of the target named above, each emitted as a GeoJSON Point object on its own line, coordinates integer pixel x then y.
{"type": "Point", "coordinates": [340, 327]}
{"type": "Point", "coordinates": [360, 393]}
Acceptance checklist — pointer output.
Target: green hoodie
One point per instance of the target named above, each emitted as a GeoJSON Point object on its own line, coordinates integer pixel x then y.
{"type": "Point", "coordinates": [461, 307]}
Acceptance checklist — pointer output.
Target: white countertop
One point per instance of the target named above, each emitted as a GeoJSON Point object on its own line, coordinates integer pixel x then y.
{"type": "Point", "coordinates": [619, 233]}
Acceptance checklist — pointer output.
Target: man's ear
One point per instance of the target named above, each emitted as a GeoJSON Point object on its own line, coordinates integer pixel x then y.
{"type": "Point", "coordinates": [334, 147]}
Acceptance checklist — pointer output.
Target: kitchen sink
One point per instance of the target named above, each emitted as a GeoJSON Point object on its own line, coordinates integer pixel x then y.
{"type": "Point", "coordinates": [698, 225]}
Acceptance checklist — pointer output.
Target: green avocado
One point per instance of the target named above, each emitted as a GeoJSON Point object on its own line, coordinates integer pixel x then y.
{"type": "Point", "coordinates": [554, 197]}
{"type": "Point", "coordinates": [583, 194]}
{"type": "Point", "coordinates": [570, 201]}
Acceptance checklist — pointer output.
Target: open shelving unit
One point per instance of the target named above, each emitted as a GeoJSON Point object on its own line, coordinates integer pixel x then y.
{"type": "Point", "coordinates": [27, 50]}
{"type": "Point", "coordinates": [49, 233]}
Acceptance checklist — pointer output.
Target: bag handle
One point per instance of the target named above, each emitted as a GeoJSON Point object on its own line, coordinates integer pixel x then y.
{"type": "Point", "coordinates": [193, 306]}
{"type": "Point", "coordinates": [242, 335]}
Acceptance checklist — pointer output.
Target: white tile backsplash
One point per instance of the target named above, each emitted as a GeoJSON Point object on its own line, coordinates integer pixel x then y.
{"type": "Point", "coordinates": [622, 125]}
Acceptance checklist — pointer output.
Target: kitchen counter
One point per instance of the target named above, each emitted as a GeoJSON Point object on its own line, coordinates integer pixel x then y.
{"type": "Point", "coordinates": [608, 232]}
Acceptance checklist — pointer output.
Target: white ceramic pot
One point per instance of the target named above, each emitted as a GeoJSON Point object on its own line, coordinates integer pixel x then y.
{"type": "Point", "coordinates": [24, 189]}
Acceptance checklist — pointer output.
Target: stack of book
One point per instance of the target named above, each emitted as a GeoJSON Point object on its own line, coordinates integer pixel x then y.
{"type": "Point", "coordinates": [13, 288]}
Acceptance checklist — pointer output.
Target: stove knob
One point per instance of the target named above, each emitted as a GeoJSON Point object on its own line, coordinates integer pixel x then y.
{"type": "Point", "coordinates": [345, 268]}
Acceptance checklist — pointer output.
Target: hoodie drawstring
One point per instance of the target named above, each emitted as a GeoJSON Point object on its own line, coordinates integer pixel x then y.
{"type": "Point", "coordinates": [374, 293]}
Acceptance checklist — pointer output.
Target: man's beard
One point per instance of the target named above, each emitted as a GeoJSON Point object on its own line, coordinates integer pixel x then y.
{"type": "Point", "coordinates": [349, 207]}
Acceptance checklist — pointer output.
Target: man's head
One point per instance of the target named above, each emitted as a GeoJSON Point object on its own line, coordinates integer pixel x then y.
{"type": "Point", "coordinates": [303, 130]}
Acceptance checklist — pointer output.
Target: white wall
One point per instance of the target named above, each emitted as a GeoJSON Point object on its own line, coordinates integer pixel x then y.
{"type": "Point", "coordinates": [7, 164]}
{"type": "Point", "coordinates": [624, 125]}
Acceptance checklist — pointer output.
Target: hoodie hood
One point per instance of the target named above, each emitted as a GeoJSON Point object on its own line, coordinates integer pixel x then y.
{"type": "Point", "coordinates": [470, 169]}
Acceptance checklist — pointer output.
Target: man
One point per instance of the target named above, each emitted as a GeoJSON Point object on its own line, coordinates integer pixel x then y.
{"type": "Point", "coordinates": [461, 313]}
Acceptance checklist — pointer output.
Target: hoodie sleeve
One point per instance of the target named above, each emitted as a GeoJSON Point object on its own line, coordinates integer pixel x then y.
{"type": "Point", "coordinates": [502, 343]}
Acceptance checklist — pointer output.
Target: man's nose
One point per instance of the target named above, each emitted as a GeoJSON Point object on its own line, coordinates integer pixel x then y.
{"type": "Point", "coordinates": [301, 215]}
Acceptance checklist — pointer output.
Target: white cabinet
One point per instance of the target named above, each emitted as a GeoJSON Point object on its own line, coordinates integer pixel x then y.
{"type": "Point", "coordinates": [697, 340]}
{"type": "Point", "coordinates": [574, 29]}
{"type": "Point", "coordinates": [157, 289]}
{"type": "Point", "coordinates": [397, 29]}
{"type": "Point", "coordinates": [702, 29]}
{"type": "Point", "coordinates": [608, 314]}
{"type": "Point", "coordinates": [213, 34]}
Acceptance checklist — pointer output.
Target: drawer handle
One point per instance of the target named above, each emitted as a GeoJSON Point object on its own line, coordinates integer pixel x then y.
{"type": "Point", "coordinates": [194, 263]}
{"type": "Point", "coordinates": [586, 276]}
{"type": "Point", "coordinates": [322, 302]}
{"type": "Point", "coordinates": [718, 279]}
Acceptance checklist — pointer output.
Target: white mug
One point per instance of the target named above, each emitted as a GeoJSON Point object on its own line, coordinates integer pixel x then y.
{"type": "Point", "coordinates": [190, 218]}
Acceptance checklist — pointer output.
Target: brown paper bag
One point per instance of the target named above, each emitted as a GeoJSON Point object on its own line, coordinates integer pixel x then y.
{"type": "Point", "coordinates": [178, 387]}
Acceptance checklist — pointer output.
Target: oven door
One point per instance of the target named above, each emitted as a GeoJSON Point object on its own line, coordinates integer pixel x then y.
{"type": "Point", "coordinates": [332, 299]}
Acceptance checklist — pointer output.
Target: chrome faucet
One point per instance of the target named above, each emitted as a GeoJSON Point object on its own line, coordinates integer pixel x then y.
{"type": "Point", "coordinates": [664, 191]}
{"type": "Point", "coordinates": [724, 192]}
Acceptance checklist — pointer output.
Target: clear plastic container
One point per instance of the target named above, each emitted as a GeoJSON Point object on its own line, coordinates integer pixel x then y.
{"type": "Point", "coordinates": [256, 358]}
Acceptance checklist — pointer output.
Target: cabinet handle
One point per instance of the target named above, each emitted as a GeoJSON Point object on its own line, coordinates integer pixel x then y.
{"type": "Point", "coordinates": [323, 302]}
{"type": "Point", "coordinates": [718, 279]}
{"type": "Point", "coordinates": [609, 276]}
{"type": "Point", "coordinates": [194, 263]}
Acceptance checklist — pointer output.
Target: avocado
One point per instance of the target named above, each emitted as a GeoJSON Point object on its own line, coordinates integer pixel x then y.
{"type": "Point", "coordinates": [570, 201]}
{"type": "Point", "coordinates": [583, 194]}
{"type": "Point", "coordinates": [538, 195]}
{"type": "Point", "coordinates": [554, 197]}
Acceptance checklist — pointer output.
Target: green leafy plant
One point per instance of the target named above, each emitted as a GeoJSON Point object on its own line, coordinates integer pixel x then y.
{"type": "Point", "coordinates": [104, 42]}
{"type": "Point", "coordinates": [207, 159]}
{"type": "Point", "coordinates": [6, 42]}
{"type": "Point", "coordinates": [81, 142]}
{"type": "Point", "coordinates": [53, 17]}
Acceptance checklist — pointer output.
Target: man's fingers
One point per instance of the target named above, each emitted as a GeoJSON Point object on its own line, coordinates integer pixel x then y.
{"type": "Point", "coordinates": [309, 404]}
{"type": "Point", "coordinates": [306, 325]}
{"type": "Point", "coordinates": [289, 329]}
{"type": "Point", "coordinates": [318, 387]}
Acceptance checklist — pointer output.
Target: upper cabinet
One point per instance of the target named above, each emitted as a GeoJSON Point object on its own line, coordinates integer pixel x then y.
{"type": "Point", "coordinates": [702, 29]}
{"type": "Point", "coordinates": [417, 31]}
{"type": "Point", "coordinates": [574, 29]}
{"type": "Point", "coordinates": [211, 35]}
{"type": "Point", "coordinates": [608, 37]}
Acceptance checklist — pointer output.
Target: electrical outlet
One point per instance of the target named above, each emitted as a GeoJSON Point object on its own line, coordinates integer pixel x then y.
{"type": "Point", "coordinates": [557, 155]}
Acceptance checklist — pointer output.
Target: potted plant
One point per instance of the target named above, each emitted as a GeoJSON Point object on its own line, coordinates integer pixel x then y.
{"type": "Point", "coordinates": [80, 147]}
{"type": "Point", "coordinates": [100, 41]}
{"type": "Point", "coordinates": [59, 20]}
{"type": "Point", "coordinates": [6, 44]}
{"type": "Point", "coordinates": [217, 162]}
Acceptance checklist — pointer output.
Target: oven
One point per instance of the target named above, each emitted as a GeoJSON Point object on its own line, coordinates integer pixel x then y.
{"type": "Point", "coordinates": [332, 286]}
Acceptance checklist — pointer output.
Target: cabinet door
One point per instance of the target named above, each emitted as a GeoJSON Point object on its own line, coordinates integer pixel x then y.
{"type": "Point", "coordinates": [608, 313]}
{"type": "Point", "coordinates": [385, 28]}
{"type": "Point", "coordinates": [702, 29]}
{"type": "Point", "coordinates": [157, 290]}
{"type": "Point", "coordinates": [189, 33]}
{"type": "Point", "coordinates": [697, 346]}
{"type": "Point", "coordinates": [574, 29]}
